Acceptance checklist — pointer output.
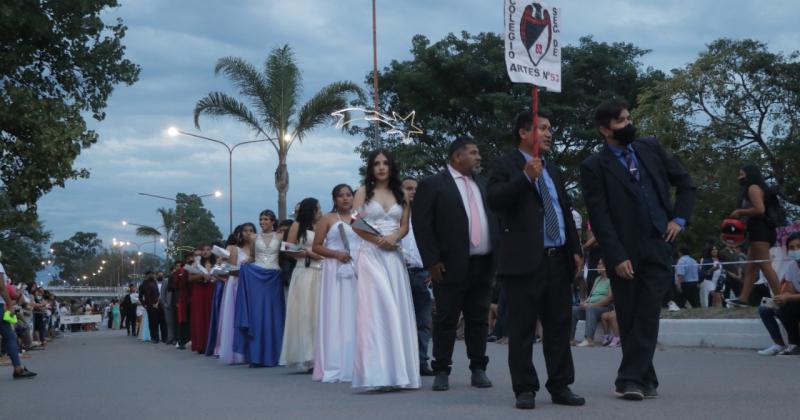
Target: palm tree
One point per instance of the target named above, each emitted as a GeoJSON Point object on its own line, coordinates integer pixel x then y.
{"type": "Point", "coordinates": [274, 96]}
{"type": "Point", "coordinates": [168, 223]}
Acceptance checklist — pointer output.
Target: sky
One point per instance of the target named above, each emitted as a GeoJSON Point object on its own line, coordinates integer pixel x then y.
{"type": "Point", "coordinates": [177, 44]}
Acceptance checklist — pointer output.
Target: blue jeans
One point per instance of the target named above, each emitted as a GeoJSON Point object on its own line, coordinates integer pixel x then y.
{"type": "Point", "coordinates": [9, 339]}
{"type": "Point", "coordinates": [591, 315]}
{"type": "Point", "coordinates": [423, 305]}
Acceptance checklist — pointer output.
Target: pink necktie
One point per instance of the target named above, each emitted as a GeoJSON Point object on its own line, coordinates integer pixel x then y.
{"type": "Point", "coordinates": [474, 216]}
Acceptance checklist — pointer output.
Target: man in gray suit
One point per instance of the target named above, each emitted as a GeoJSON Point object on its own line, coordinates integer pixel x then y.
{"type": "Point", "coordinates": [165, 301]}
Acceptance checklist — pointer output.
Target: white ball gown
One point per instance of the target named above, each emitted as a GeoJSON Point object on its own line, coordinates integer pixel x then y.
{"type": "Point", "coordinates": [302, 304]}
{"type": "Point", "coordinates": [336, 327]}
{"type": "Point", "coordinates": [386, 353]}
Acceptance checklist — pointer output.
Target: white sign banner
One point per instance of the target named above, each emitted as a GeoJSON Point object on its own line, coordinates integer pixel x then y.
{"type": "Point", "coordinates": [533, 48]}
{"type": "Point", "coordinates": [81, 319]}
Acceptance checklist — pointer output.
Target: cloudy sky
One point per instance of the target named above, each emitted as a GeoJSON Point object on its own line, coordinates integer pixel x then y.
{"type": "Point", "coordinates": [177, 43]}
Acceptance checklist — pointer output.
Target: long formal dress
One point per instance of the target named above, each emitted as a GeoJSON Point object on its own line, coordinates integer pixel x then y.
{"type": "Point", "coordinates": [212, 344]}
{"type": "Point", "coordinates": [144, 330]}
{"type": "Point", "coordinates": [261, 307]}
{"type": "Point", "coordinates": [200, 318]}
{"type": "Point", "coordinates": [227, 311]}
{"type": "Point", "coordinates": [336, 325]}
{"type": "Point", "coordinates": [302, 303]}
{"type": "Point", "coordinates": [386, 352]}
{"type": "Point", "coordinates": [115, 317]}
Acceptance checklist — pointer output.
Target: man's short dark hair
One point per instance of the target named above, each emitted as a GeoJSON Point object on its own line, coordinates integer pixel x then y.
{"type": "Point", "coordinates": [524, 121]}
{"type": "Point", "coordinates": [459, 144]}
{"type": "Point", "coordinates": [793, 237]}
{"type": "Point", "coordinates": [684, 250]}
{"type": "Point", "coordinates": [609, 110]}
{"type": "Point", "coordinates": [408, 178]}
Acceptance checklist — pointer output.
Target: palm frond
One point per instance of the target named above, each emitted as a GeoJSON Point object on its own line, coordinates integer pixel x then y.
{"type": "Point", "coordinates": [218, 104]}
{"type": "Point", "coordinates": [319, 108]}
{"type": "Point", "coordinates": [284, 84]}
{"type": "Point", "coordinates": [247, 79]}
{"type": "Point", "coordinates": [147, 231]}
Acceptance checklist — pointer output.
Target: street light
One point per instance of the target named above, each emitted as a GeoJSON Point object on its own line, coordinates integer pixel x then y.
{"type": "Point", "coordinates": [174, 132]}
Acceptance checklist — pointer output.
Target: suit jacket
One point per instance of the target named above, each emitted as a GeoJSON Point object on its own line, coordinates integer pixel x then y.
{"type": "Point", "coordinates": [150, 293]}
{"type": "Point", "coordinates": [441, 226]}
{"type": "Point", "coordinates": [611, 198]}
{"type": "Point", "coordinates": [519, 209]}
{"type": "Point", "coordinates": [166, 295]}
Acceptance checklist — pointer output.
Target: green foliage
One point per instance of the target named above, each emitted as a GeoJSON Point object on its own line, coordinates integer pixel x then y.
{"type": "Point", "coordinates": [21, 240]}
{"type": "Point", "coordinates": [72, 255]}
{"type": "Point", "coordinates": [58, 60]}
{"type": "Point", "coordinates": [270, 105]}
{"type": "Point", "coordinates": [198, 223]}
{"type": "Point", "coordinates": [459, 86]}
{"type": "Point", "coordinates": [737, 103]}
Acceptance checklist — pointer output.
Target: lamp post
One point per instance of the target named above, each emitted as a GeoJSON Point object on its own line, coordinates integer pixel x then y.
{"type": "Point", "coordinates": [173, 132]}
{"type": "Point", "coordinates": [216, 194]}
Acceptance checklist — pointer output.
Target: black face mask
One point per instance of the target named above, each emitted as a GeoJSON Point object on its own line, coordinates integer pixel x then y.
{"type": "Point", "coordinates": [743, 181]}
{"type": "Point", "coordinates": [625, 135]}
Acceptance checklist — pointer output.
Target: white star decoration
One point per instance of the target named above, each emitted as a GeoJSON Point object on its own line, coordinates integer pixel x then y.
{"type": "Point", "coordinates": [395, 123]}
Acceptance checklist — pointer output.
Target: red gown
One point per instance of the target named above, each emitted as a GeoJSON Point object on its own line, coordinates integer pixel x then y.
{"type": "Point", "coordinates": [202, 295]}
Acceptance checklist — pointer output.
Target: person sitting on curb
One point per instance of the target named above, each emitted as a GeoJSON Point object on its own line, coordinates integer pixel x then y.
{"type": "Point", "coordinates": [598, 303]}
{"type": "Point", "coordinates": [787, 306]}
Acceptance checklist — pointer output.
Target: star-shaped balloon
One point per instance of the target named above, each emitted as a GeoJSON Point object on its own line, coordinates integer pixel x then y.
{"type": "Point", "coordinates": [395, 123]}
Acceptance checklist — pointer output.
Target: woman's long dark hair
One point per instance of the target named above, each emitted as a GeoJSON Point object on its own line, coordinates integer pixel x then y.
{"type": "Point", "coordinates": [233, 238]}
{"type": "Point", "coordinates": [305, 217]}
{"type": "Point", "coordinates": [336, 190]}
{"type": "Point", "coordinates": [241, 236]}
{"type": "Point", "coordinates": [211, 258]}
{"type": "Point", "coordinates": [395, 185]}
{"type": "Point", "coordinates": [752, 176]}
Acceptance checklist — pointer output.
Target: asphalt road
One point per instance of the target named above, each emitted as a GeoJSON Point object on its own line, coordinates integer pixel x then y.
{"type": "Point", "coordinates": [106, 375]}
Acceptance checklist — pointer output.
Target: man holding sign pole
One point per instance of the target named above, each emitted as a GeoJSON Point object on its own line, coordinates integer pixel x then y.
{"type": "Point", "coordinates": [538, 255]}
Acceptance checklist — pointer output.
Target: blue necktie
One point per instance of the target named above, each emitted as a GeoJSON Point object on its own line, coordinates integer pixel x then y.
{"type": "Point", "coordinates": [551, 227]}
{"type": "Point", "coordinates": [631, 163]}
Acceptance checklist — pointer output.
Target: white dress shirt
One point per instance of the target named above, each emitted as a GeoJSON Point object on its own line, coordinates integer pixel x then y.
{"type": "Point", "coordinates": [484, 247]}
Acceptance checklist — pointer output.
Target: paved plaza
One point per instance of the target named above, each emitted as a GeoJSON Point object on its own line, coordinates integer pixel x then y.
{"type": "Point", "coordinates": [106, 375]}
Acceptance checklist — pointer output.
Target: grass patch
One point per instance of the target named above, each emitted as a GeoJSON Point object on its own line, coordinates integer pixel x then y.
{"type": "Point", "coordinates": [712, 313]}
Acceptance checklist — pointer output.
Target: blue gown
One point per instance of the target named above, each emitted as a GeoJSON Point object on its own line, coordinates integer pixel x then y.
{"type": "Point", "coordinates": [260, 315]}
{"type": "Point", "coordinates": [216, 302]}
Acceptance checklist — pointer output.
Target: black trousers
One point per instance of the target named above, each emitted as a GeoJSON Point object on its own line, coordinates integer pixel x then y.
{"type": "Point", "coordinates": [638, 306]}
{"type": "Point", "coordinates": [789, 314]}
{"type": "Point", "coordinates": [130, 323]}
{"type": "Point", "coordinates": [157, 322]}
{"type": "Point", "coordinates": [545, 295]}
{"type": "Point", "coordinates": [690, 292]}
{"type": "Point", "coordinates": [472, 296]}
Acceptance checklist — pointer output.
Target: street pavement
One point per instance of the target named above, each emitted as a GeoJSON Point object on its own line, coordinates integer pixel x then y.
{"type": "Point", "coordinates": [106, 375]}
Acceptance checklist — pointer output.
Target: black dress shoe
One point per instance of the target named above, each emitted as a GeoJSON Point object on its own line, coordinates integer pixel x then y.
{"type": "Point", "coordinates": [441, 382]}
{"type": "Point", "coordinates": [630, 393]}
{"type": "Point", "coordinates": [425, 370]}
{"type": "Point", "coordinates": [650, 393]}
{"type": "Point", "coordinates": [526, 401]}
{"type": "Point", "coordinates": [479, 379]}
{"type": "Point", "coordinates": [567, 397]}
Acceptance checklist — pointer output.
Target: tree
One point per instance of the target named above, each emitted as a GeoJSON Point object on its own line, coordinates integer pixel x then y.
{"type": "Point", "coordinates": [737, 103]}
{"type": "Point", "coordinates": [199, 227]}
{"type": "Point", "coordinates": [274, 95]}
{"type": "Point", "coordinates": [459, 87]}
{"type": "Point", "coordinates": [73, 254]}
{"type": "Point", "coordinates": [21, 240]}
{"type": "Point", "coordinates": [737, 99]}
{"type": "Point", "coordinates": [57, 61]}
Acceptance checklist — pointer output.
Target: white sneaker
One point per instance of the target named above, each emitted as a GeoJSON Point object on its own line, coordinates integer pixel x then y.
{"type": "Point", "coordinates": [771, 350]}
{"type": "Point", "coordinates": [585, 343]}
{"type": "Point", "coordinates": [768, 302]}
{"type": "Point", "coordinates": [672, 306]}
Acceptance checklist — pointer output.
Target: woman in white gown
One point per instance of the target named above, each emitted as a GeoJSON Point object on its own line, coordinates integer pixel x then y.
{"type": "Point", "coordinates": [302, 300]}
{"type": "Point", "coordinates": [335, 240]}
{"type": "Point", "coordinates": [386, 354]}
{"type": "Point", "coordinates": [227, 331]}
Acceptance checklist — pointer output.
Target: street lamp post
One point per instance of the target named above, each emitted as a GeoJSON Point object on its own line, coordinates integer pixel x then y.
{"type": "Point", "coordinates": [173, 132]}
{"type": "Point", "coordinates": [126, 223]}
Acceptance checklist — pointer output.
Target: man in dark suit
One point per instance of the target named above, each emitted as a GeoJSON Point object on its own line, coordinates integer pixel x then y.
{"type": "Point", "coordinates": [538, 254]}
{"type": "Point", "coordinates": [454, 230]}
{"type": "Point", "coordinates": [165, 302]}
{"type": "Point", "coordinates": [626, 187]}
{"type": "Point", "coordinates": [129, 309]}
{"type": "Point", "coordinates": [150, 300]}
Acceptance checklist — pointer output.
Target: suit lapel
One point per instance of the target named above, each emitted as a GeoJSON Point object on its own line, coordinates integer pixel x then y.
{"type": "Point", "coordinates": [519, 162]}
{"type": "Point", "coordinates": [554, 175]}
{"type": "Point", "coordinates": [611, 162]}
{"type": "Point", "coordinates": [452, 188]}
